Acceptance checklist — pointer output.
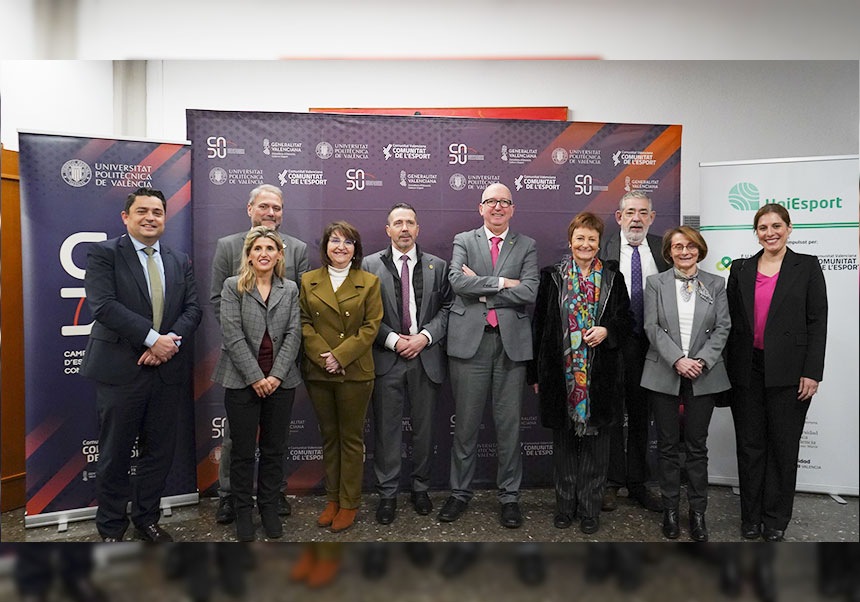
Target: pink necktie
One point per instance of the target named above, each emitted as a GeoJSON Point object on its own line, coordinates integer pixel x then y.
{"type": "Point", "coordinates": [492, 320]}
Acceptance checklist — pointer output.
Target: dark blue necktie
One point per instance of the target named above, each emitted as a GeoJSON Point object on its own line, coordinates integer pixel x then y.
{"type": "Point", "coordinates": [637, 300]}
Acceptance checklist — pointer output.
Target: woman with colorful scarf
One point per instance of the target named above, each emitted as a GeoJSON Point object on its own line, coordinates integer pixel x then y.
{"type": "Point", "coordinates": [581, 316]}
{"type": "Point", "coordinates": [687, 323]}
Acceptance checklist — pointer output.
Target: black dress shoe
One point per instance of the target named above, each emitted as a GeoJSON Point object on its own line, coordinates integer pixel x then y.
{"type": "Point", "coordinates": [84, 590]}
{"type": "Point", "coordinates": [730, 577]}
{"type": "Point", "coordinates": [419, 553]}
{"type": "Point", "coordinates": [671, 526]}
{"type": "Point", "coordinates": [284, 508]}
{"type": "Point", "coordinates": [271, 519]}
{"type": "Point", "coordinates": [763, 581]}
{"type": "Point", "coordinates": [374, 565]}
{"type": "Point", "coordinates": [452, 510]}
{"type": "Point", "coordinates": [531, 568]}
{"type": "Point", "coordinates": [421, 502]}
{"type": "Point", "coordinates": [589, 525]}
{"type": "Point", "coordinates": [109, 539]}
{"type": "Point", "coordinates": [562, 520]}
{"type": "Point", "coordinates": [773, 535]}
{"type": "Point", "coordinates": [647, 500]}
{"type": "Point", "coordinates": [245, 525]}
{"type": "Point", "coordinates": [510, 516]}
{"type": "Point", "coordinates": [610, 499]}
{"type": "Point", "coordinates": [459, 559]}
{"type": "Point", "coordinates": [750, 530]}
{"type": "Point", "coordinates": [698, 528]}
{"type": "Point", "coordinates": [153, 534]}
{"type": "Point", "coordinates": [226, 512]}
{"type": "Point", "coordinates": [385, 510]}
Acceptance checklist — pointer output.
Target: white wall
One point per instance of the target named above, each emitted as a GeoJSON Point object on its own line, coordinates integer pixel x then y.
{"type": "Point", "coordinates": [729, 110]}
{"type": "Point", "coordinates": [60, 96]}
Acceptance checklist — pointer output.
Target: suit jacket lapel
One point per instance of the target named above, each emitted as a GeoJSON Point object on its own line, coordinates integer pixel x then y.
{"type": "Point", "coordinates": [428, 273]}
{"type": "Point", "coordinates": [276, 294]}
{"type": "Point", "coordinates": [171, 277]}
{"type": "Point", "coordinates": [133, 262]}
{"type": "Point", "coordinates": [699, 312]}
{"type": "Point", "coordinates": [505, 251]}
{"type": "Point", "coordinates": [483, 252]}
{"type": "Point", "coordinates": [389, 281]}
{"type": "Point", "coordinates": [613, 247]}
{"type": "Point", "coordinates": [347, 290]}
{"type": "Point", "coordinates": [784, 282]}
{"type": "Point", "coordinates": [746, 287]}
{"type": "Point", "coordinates": [323, 290]}
{"type": "Point", "coordinates": [670, 306]}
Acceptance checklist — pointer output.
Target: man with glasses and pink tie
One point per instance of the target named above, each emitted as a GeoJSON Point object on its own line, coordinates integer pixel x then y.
{"type": "Point", "coordinates": [494, 276]}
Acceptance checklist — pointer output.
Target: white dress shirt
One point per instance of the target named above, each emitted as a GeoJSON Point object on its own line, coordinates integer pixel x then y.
{"type": "Point", "coordinates": [686, 309]}
{"type": "Point", "coordinates": [649, 268]}
{"type": "Point", "coordinates": [412, 261]}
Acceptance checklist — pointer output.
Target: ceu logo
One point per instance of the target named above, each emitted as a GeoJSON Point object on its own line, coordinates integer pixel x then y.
{"type": "Point", "coordinates": [216, 147]}
{"type": "Point", "coordinates": [744, 197]}
{"type": "Point", "coordinates": [457, 181]}
{"type": "Point", "coordinates": [218, 175]}
{"type": "Point", "coordinates": [76, 173]}
{"type": "Point", "coordinates": [583, 184]}
{"type": "Point", "coordinates": [355, 179]}
{"type": "Point", "coordinates": [458, 154]}
{"type": "Point", "coordinates": [386, 150]}
{"type": "Point", "coordinates": [560, 156]}
{"type": "Point", "coordinates": [266, 149]}
{"type": "Point", "coordinates": [324, 150]}
{"type": "Point", "coordinates": [518, 182]}
{"type": "Point", "coordinates": [724, 264]}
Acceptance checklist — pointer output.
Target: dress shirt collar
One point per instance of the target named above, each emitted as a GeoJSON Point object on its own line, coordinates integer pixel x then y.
{"type": "Point", "coordinates": [396, 254]}
{"type": "Point", "coordinates": [139, 246]}
{"type": "Point", "coordinates": [490, 235]}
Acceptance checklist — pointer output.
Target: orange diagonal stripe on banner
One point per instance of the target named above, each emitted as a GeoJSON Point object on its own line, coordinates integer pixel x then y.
{"type": "Point", "coordinates": [94, 149]}
{"type": "Point", "coordinates": [663, 147]}
{"type": "Point", "coordinates": [56, 484]}
{"type": "Point", "coordinates": [306, 477]}
{"type": "Point", "coordinates": [179, 200]}
{"type": "Point", "coordinates": [40, 434]}
{"type": "Point", "coordinates": [207, 474]}
{"type": "Point", "coordinates": [161, 154]}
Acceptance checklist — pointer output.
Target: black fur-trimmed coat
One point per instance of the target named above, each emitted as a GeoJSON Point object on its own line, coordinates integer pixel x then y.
{"type": "Point", "coordinates": [606, 394]}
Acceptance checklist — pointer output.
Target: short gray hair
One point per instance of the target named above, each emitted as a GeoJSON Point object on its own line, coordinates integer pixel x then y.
{"type": "Point", "coordinates": [634, 194]}
{"type": "Point", "coordinates": [264, 188]}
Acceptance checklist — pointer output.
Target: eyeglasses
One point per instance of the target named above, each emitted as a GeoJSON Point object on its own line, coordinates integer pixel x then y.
{"type": "Point", "coordinates": [336, 241]}
{"type": "Point", "coordinates": [505, 203]}
{"type": "Point", "coordinates": [678, 248]}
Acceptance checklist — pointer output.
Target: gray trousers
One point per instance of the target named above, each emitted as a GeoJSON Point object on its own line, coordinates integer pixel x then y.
{"type": "Point", "coordinates": [579, 467]}
{"type": "Point", "coordinates": [489, 371]}
{"type": "Point", "coordinates": [224, 488]}
{"type": "Point", "coordinates": [406, 382]}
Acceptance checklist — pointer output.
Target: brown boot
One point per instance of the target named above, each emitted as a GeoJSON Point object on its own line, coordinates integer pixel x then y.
{"type": "Point", "coordinates": [343, 520]}
{"type": "Point", "coordinates": [304, 566]}
{"type": "Point", "coordinates": [324, 572]}
{"type": "Point", "coordinates": [328, 514]}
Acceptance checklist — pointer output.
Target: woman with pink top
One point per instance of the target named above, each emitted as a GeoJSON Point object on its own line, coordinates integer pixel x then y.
{"type": "Point", "coordinates": [775, 360]}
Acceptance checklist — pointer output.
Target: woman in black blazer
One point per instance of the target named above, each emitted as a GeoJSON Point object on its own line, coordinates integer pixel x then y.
{"type": "Point", "coordinates": [775, 359]}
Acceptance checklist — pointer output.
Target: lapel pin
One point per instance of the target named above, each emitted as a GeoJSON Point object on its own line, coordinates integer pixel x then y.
{"type": "Point", "coordinates": [430, 266]}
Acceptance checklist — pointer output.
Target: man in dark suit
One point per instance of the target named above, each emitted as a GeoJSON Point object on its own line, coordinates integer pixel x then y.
{"type": "Point", "coordinates": [143, 298]}
{"type": "Point", "coordinates": [494, 275]}
{"type": "Point", "coordinates": [409, 357]}
{"type": "Point", "coordinates": [639, 256]}
{"type": "Point", "coordinates": [265, 208]}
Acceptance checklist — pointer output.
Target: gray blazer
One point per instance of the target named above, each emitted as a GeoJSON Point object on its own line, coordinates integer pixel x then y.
{"type": "Point", "coordinates": [518, 260]}
{"type": "Point", "coordinates": [711, 325]}
{"type": "Point", "coordinates": [436, 299]}
{"type": "Point", "coordinates": [244, 320]}
{"type": "Point", "coordinates": [228, 260]}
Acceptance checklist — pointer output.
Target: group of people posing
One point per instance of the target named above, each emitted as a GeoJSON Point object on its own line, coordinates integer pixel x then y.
{"type": "Point", "coordinates": [624, 327]}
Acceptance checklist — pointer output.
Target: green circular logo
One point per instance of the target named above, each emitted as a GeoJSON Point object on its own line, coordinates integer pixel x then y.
{"type": "Point", "coordinates": [744, 197]}
{"type": "Point", "coordinates": [724, 263]}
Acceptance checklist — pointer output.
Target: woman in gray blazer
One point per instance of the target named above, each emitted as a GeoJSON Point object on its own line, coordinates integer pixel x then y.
{"type": "Point", "coordinates": [687, 324]}
{"type": "Point", "coordinates": [261, 336]}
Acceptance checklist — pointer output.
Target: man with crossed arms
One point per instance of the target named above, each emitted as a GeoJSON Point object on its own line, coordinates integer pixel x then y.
{"type": "Point", "coordinates": [494, 275]}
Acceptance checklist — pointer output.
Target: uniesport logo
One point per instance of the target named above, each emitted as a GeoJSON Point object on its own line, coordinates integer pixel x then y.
{"type": "Point", "coordinates": [724, 264]}
{"type": "Point", "coordinates": [76, 173]}
{"type": "Point", "coordinates": [324, 150]}
{"type": "Point", "coordinates": [744, 197]}
{"type": "Point", "coordinates": [560, 156]}
{"type": "Point", "coordinates": [457, 181]}
{"type": "Point", "coordinates": [218, 175]}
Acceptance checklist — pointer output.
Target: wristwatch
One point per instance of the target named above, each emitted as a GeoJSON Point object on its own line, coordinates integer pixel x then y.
{"type": "Point", "coordinates": [701, 362]}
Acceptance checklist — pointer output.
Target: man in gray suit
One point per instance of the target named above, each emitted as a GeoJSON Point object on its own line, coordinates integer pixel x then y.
{"type": "Point", "coordinates": [265, 208]}
{"type": "Point", "coordinates": [639, 256]}
{"type": "Point", "coordinates": [494, 275]}
{"type": "Point", "coordinates": [409, 357]}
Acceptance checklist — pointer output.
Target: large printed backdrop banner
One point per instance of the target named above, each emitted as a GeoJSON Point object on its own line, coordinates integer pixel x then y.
{"type": "Point", "coordinates": [820, 194]}
{"type": "Point", "coordinates": [72, 192]}
{"type": "Point", "coordinates": [354, 168]}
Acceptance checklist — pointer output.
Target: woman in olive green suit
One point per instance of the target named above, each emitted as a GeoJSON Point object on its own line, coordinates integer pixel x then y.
{"type": "Point", "coordinates": [341, 309]}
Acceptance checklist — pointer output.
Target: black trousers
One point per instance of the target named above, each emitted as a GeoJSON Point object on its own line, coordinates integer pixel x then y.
{"type": "Point", "coordinates": [697, 418]}
{"type": "Point", "coordinates": [201, 560]}
{"type": "Point", "coordinates": [247, 413]}
{"type": "Point", "coordinates": [146, 410]}
{"type": "Point", "coordinates": [628, 465]}
{"type": "Point", "coordinates": [769, 422]}
{"type": "Point", "coordinates": [579, 470]}
{"type": "Point", "coordinates": [34, 566]}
